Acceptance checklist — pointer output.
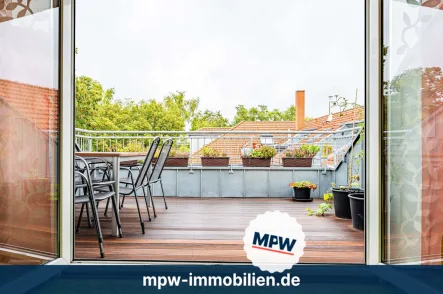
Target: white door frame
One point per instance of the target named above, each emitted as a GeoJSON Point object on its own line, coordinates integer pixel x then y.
{"type": "Point", "coordinates": [372, 116]}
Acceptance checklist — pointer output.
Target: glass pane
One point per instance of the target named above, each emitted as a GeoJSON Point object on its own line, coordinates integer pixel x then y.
{"type": "Point", "coordinates": [413, 132]}
{"type": "Point", "coordinates": [29, 124]}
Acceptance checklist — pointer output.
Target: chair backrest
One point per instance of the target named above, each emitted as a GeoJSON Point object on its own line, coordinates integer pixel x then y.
{"type": "Point", "coordinates": [161, 160]}
{"type": "Point", "coordinates": [84, 171]}
{"type": "Point", "coordinates": [77, 147]}
{"type": "Point", "coordinates": [147, 164]}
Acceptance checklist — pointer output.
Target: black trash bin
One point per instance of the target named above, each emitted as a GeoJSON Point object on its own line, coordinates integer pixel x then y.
{"type": "Point", "coordinates": [357, 203]}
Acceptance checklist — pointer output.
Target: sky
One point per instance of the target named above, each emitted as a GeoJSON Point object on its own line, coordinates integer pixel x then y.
{"type": "Point", "coordinates": [226, 52]}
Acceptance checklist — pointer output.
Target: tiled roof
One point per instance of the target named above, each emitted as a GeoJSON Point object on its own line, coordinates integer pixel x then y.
{"type": "Point", "coordinates": [214, 129]}
{"type": "Point", "coordinates": [231, 144]}
{"type": "Point", "coordinates": [38, 105]}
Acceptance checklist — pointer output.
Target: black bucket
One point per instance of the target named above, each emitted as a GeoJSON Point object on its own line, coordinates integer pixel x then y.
{"type": "Point", "coordinates": [341, 203]}
{"type": "Point", "coordinates": [302, 194]}
{"type": "Point", "coordinates": [357, 203]}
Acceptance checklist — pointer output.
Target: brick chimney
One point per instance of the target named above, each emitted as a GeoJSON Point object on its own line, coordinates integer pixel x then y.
{"type": "Point", "coordinates": [299, 109]}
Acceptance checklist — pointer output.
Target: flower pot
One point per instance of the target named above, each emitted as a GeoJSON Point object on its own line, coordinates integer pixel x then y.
{"type": "Point", "coordinates": [215, 161]}
{"type": "Point", "coordinates": [297, 162]}
{"type": "Point", "coordinates": [174, 161]}
{"type": "Point", "coordinates": [341, 203]}
{"type": "Point", "coordinates": [302, 194]}
{"type": "Point", "coordinates": [357, 203]}
{"type": "Point", "coordinates": [256, 162]}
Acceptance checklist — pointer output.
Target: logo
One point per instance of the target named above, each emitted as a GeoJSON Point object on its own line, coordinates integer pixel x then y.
{"type": "Point", "coordinates": [274, 241]}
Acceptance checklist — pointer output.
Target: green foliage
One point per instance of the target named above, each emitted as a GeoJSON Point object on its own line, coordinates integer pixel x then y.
{"type": "Point", "coordinates": [303, 184]}
{"type": "Point", "coordinates": [324, 206]}
{"type": "Point", "coordinates": [182, 151]}
{"type": "Point", "coordinates": [133, 146]}
{"type": "Point", "coordinates": [264, 152]}
{"type": "Point", "coordinates": [96, 109]}
{"type": "Point", "coordinates": [305, 150]}
{"type": "Point", "coordinates": [208, 119]}
{"type": "Point", "coordinates": [321, 210]}
{"type": "Point", "coordinates": [262, 113]}
{"type": "Point", "coordinates": [209, 152]}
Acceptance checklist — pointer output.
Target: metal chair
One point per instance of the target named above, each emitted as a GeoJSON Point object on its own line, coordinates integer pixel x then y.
{"type": "Point", "coordinates": [132, 186]}
{"type": "Point", "coordinates": [92, 198]}
{"type": "Point", "coordinates": [155, 175]}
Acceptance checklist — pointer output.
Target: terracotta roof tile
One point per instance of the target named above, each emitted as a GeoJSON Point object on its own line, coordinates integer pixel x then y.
{"type": "Point", "coordinates": [214, 129]}
{"type": "Point", "coordinates": [38, 105]}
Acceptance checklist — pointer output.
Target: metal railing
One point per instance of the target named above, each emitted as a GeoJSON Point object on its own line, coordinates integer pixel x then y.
{"type": "Point", "coordinates": [333, 144]}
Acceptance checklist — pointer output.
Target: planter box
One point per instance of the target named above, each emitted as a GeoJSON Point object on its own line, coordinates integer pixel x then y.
{"type": "Point", "coordinates": [175, 161]}
{"type": "Point", "coordinates": [302, 194]}
{"type": "Point", "coordinates": [297, 162]}
{"type": "Point", "coordinates": [256, 162]}
{"type": "Point", "coordinates": [215, 161]}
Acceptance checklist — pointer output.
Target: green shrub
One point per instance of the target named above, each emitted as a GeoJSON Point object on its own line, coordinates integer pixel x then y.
{"type": "Point", "coordinates": [305, 150]}
{"type": "Point", "coordinates": [265, 152]}
{"type": "Point", "coordinates": [209, 152]}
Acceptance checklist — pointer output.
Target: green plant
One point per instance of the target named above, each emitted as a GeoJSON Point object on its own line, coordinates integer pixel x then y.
{"type": "Point", "coordinates": [133, 146]}
{"type": "Point", "coordinates": [265, 152]}
{"type": "Point", "coordinates": [209, 152]}
{"type": "Point", "coordinates": [181, 151]}
{"type": "Point", "coordinates": [303, 184]}
{"type": "Point", "coordinates": [305, 150]}
{"type": "Point", "coordinates": [324, 206]}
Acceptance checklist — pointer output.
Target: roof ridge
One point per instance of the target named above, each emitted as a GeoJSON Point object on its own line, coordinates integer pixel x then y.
{"type": "Point", "coordinates": [27, 85]}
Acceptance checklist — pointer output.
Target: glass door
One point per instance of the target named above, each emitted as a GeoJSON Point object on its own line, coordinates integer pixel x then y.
{"type": "Point", "coordinates": [412, 132]}
{"type": "Point", "coordinates": [29, 131]}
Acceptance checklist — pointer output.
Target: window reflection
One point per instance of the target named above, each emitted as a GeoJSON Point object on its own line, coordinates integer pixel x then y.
{"type": "Point", "coordinates": [413, 129]}
{"type": "Point", "coordinates": [28, 131]}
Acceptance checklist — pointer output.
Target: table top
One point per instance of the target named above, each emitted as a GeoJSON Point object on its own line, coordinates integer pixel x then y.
{"type": "Point", "coordinates": [110, 154]}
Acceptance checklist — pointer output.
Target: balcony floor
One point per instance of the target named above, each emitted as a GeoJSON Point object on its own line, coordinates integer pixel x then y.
{"type": "Point", "coordinates": [212, 229]}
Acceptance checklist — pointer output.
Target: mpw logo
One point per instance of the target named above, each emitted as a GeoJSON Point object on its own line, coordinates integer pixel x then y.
{"type": "Point", "coordinates": [274, 241]}
{"type": "Point", "coordinates": [268, 242]}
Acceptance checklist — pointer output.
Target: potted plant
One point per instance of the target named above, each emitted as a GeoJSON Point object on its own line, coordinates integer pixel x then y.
{"type": "Point", "coordinates": [177, 157]}
{"type": "Point", "coordinates": [302, 190]}
{"type": "Point", "coordinates": [342, 205]}
{"type": "Point", "coordinates": [300, 156]}
{"type": "Point", "coordinates": [357, 203]}
{"type": "Point", "coordinates": [322, 207]}
{"type": "Point", "coordinates": [213, 157]}
{"type": "Point", "coordinates": [259, 157]}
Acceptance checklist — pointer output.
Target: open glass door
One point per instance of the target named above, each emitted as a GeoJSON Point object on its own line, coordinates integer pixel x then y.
{"type": "Point", "coordinates": [29, 131]}
{"type": "Point", "coordinates": [413, 132]}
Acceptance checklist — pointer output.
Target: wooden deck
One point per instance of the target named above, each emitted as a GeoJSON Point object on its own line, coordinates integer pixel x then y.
{"type": "Point", "coordinates": [212, 229]}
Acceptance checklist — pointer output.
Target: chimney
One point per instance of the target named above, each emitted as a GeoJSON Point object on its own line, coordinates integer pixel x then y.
{"type": "Point", "coordinates": [299, 109]}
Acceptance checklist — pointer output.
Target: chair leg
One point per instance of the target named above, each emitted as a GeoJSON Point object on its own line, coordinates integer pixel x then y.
{"type": "Point", "coordinates": [123, 201]}
{"type": "Point", "coordinates": [106, 208]}
{"type": "Point", "coordinates": [146, 201]}
{"type": "Point", "coordinates": [89, 217]}
{"type": "Point", "coordinates": [98, 229]}
{"type": "Point", "coordinates": [117, 217]}
{"type": "Point", "coordinates": [163, 192]}
{"type": "Point", "coordinates": [142, 224]}
{"type": "Point", "coordinates": [79, 218]}
{"type": "Point", "coordinates": [152, 200]}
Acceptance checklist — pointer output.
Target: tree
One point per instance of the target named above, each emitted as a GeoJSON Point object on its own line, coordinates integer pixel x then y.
{"type": "Point", "coordinates": [262, 113]}
{"type": "Point", "coordinates": [89, 94]}
{"type": "Point", "coordinates": [207, 119]}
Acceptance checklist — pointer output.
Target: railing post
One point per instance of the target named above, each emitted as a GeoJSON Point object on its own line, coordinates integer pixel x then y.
{"type": "Point", "coordinates": [90, 143]}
